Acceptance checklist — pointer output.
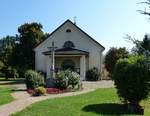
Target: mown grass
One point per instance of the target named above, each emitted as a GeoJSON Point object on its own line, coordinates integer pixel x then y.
{"type": "Point", "coordinates": [98, 103]}
{"type": "Point", "coordinates": [5, 95]}
{"type": "Point", "coordinates": [11, 81]}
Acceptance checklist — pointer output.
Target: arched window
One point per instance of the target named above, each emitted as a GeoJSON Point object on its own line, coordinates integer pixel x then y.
{"type": "Point", "coordinates": [68, 30]}
{"type": "Point", "coordinates": [68, 64]}
{"type": "Point", "coordinates": [68, 44]}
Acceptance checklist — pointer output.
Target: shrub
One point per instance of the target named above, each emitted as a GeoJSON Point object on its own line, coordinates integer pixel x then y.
{"type": "Point", "coordinates": [43, 74]}
{"type": "Point", "coordinates": [67, 78]}
{"type": "Point", "coordinates": [39, 91]}
{"type": "Point", "coordinates": [14, 73]}
{"type": "Point", "coordinates": [74, 79]}
{"type": "Point", "coordinates": [132, 80]}
{"type": "Point", "coordinates": [10, 72]}
{"type": "Point", "coordinates": [21, 72]}
{"type": "Point", "coordinates": [112, 56]}
{"type": "Point", "coordinates": [93, 74]}
{"type": "Point", "coordinates": [61, 80]}
{"type": "Point", "coordinates": [33, 79]}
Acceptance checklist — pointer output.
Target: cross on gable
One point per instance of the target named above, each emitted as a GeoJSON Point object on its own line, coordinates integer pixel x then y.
{"type": "Point", "coordinates": [53, 47]}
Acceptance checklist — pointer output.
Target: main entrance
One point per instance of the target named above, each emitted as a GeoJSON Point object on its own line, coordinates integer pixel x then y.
{"type": "Point", "coordinates": [68, 64]}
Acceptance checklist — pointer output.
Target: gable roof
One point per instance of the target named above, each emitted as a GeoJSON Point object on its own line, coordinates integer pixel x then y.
{"type": "Point", "coordinates": [77, 28]}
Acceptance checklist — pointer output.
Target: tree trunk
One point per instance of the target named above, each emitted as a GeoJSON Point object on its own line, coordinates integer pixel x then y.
{"type": "Point", "coordinates": [135, 108]}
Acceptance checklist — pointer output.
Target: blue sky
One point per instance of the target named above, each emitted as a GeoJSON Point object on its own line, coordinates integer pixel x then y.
{"type": "Point", "coordinates": [107, 21]}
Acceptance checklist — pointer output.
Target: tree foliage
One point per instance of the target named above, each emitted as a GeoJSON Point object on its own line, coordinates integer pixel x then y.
{"type": "Point", "coordinates": [30, 34]}
{"type": "Point", "coordinates": [142, 46]}
{"type": "Point", "coordinates": [147, 2]}
{"type": "Point", "coordinates": [6, 55]}
{"type": "Point", "coordinates": [7, 42]}
{"type": "Point", "coordinates": [6, 50]}
{"type": "Point", "coordinates": [112, 56]}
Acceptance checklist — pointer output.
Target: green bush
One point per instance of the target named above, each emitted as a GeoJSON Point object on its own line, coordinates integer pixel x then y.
{"type": "Point", "coordinates": [39, 91]}
{"type": "Point", "coordinates": [74, 79]}
{"type": "Point", "coordinates": [1, 65]}
{"type": "Point", "coordinates": [112, 56]}
{"type": "Point", "coordinates": [132, 80]}
{"type": "Point", "coordinates": [93, 74]}
{"type": "Point", "coordinates": [33, 79]}
{"type": "Point", "coordinates": [61, 80]}
{"type": "Point", "coordinates": [10, 72]}
{"type": "Point", "coordinates": [67, 78]}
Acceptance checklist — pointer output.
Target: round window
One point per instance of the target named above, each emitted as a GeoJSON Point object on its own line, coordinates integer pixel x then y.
{"type": "Point", "coordinates": [68, 44]}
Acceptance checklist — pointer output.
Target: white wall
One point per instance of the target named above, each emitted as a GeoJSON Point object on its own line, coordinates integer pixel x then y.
{"type": "Point", "coordinates": [80, 40]}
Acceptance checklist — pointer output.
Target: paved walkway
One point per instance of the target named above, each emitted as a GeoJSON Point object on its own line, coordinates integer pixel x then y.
{"type": "Point", "coordinates": [23, 99]}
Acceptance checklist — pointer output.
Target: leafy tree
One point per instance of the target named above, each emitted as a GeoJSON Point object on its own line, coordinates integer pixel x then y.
{"type": "Point", "coordinates": [6, 50]}
{"type": "Point", "coordinates": [7, 69]}
{"type": "Point", "coordinates": [1, 64]}
{"type": "Point", "coordinates": [112, 56]}
{"type": "Point", "coordinates": [7, 42]}
{"type": "Point", "coordinates": [147, 2]}
{"type": "Point", "coordinates": [30, 34]}
{"type": "Point", "coordinates": [6, 55]}
{"type": "Point", "coordinates": [142, 46]}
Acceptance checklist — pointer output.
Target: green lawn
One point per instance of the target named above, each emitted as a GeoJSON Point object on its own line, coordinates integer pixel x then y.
{"type": "Point", "coordinates": [5, 95]}
{"type": "Point", "coordinates": [11, 81]}
{"type": "Point", "coordinates": [100, 102]}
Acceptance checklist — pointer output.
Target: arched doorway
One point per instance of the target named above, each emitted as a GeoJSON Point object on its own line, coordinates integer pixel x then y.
{"type": "Point", "coordinates": [68, 64]}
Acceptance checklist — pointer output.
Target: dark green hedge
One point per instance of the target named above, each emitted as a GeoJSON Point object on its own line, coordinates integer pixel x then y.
{"type": "Point", "coordinates": [33, 79]}
{"type": "Point", "coordinates": [93, 74]}
{"type": "Point", "coordinates": [132, 79]}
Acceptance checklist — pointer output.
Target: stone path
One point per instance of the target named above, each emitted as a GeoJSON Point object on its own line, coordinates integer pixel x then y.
{"type": "Point", "coordinates": [23, 99]}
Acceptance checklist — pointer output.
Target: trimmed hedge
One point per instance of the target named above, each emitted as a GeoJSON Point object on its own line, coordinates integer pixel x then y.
{"type": "Point", "coordinates": [132, 80]}
{"type": "Point", "coordinates": [33, 79]}
{"type": "Point", "coordinates": [93, 74]}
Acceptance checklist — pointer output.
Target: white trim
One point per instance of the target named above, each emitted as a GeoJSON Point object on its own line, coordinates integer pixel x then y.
{"type": "Point", "coordinates": [82, 67]}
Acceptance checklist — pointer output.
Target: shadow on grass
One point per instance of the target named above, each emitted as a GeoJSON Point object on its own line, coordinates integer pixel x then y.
{"type": "Point", "coordinates": [108, 109]}
{"type": "Point", "coordinates": [12, 82]}
{"type": "Point", "coordinates": [10, 79]}
{"type": "Point", "coordinates": [15, 90]}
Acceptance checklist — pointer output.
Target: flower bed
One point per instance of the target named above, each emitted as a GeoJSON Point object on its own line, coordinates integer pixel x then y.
{"type": "Point", "coordinates": [48, 91]}
{"type": "Point", "coordinates": [30, 91]}
{"type": "Point", "coordinates": [55, 90]}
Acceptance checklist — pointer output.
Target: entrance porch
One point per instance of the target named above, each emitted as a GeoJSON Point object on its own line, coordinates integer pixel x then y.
{"type": "Point", "coordinates": [74, 63]}
{"type": "Point", "coordinates": [73, 59]}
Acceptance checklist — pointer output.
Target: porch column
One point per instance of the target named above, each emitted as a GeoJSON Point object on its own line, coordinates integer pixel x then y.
{"type": "Point", "coordinates": [82, 67]}
{"type": "Point", "coordinates": [48, 67]}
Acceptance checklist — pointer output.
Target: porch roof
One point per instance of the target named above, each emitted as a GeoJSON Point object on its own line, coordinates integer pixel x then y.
{"type": "Point", "coordinates": [67, 51]}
